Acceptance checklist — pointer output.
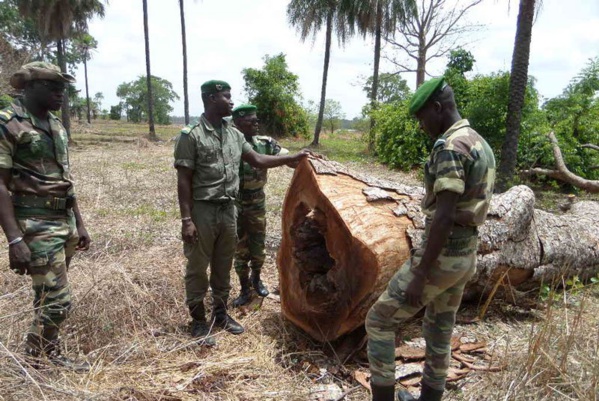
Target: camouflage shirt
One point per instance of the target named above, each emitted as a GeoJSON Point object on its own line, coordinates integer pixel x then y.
{"type": "Point", "coordinates": [252, 178]}
{"type": "Point", "coordinates": [39, 160]}
{"type": "Point", "coordinates": [461, 161]}
{"type": "Point", "coordinates": [214, 155]}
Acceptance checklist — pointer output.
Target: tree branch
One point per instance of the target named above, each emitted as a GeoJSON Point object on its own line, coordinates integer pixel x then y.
{"type": "Point", "coordinates": [561, 172]}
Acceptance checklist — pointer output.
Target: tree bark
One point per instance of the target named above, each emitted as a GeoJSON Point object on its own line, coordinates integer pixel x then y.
{"type": "Point", "coordinates": [66, 107]}
{"type": "Point", "coordinates": [184, 46]}
{"type": "Point", "coordinates": [152, 133]}
{"type": "Point", "coordinates": [517, 90]}
{"type": "Point", "coordinates": [375, 73]}
{"type": "Point", "coordinates": [89, 111]}
{"type": "Point", "coordinates": [325, 74]}
{"type": "Point", "coordinates": [345, 234]}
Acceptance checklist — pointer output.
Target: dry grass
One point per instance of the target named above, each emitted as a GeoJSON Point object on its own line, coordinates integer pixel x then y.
{"type": "Point", "coordinates": [131, 322]}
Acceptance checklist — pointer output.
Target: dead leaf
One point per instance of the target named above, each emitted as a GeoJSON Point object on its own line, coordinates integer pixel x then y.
{"type": "Point", "coordinates": [362, 378]}
{"type": "Point", "coordinates": [409, 353]}
{"type": "Point", "coordinates": [473, 346]}
{"type": "Point", "coordinates": [456, 342]}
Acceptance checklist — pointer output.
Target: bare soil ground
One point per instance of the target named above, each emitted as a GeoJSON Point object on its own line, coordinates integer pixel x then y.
{"type": "Point", "coordinates": [130, 320]}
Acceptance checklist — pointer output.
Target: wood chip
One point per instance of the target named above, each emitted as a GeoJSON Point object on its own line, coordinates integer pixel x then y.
{"type": "Point", "coordinates": [406, 370]}
{"type": "Point", "coordinates": [409, 353]}
{"type": "Point", "coordinates": [362, 378]}
{"type": "Point", "coordinates": [473, 346]}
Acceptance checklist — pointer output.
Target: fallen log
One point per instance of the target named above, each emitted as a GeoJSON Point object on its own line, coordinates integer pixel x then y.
{"type": "Point", "coordinates": [345, 234]}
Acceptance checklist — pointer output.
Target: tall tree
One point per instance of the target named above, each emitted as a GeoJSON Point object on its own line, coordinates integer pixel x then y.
{"type": "Point", "coordinates": [309, 16]}
{"type": "Point", "coordinates": [85, 43]}
{"type": "Point", "coordinates": [152, 133]}
{"type": "Point", "coordinates": [184, 47]}
{"type": "Point", "coordinates": [432, 32]}
{"type": "Point", "coordinates": [59, 20]}
{"type": "Point", "coordinates": [518, 82]}
{"type": "Point", "coordinates": [378, 18]}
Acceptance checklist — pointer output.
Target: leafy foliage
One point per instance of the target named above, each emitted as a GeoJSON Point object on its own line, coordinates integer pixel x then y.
{"type": "Point", "coordinates": [400, 142]}
{"type": "Point", "coordinates": [392, 88]}
{"type": "Point", "coordinates": [275, 91]}
{"type": "Point", "coordinates": [134, 96]}
{"type": "Point", "coordinates": [333, 114]}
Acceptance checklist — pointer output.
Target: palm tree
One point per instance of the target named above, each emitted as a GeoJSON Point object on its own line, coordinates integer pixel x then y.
{"type": "Point", "coordinates": [59, 20]}
{"type": "Point", "coordinates": [308, 16]}
{"type": "Point", "coordinates": [85, 43]}
{"type": "Point", "coordinates": [518, 83]}
{"type": "Point", "coordinates": [152, 134]}
{"type": "Point", "coordinates": [377, 18]}
{"type": "Point", "coordinates": [184, 44]}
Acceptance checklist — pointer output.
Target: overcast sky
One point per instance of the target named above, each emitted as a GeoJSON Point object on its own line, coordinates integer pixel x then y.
{"type": "Point", "coordinates": [226, 36]}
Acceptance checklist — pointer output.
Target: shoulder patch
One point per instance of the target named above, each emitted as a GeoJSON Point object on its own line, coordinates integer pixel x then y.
{"type": "Point", "coordinates": [188, 128]}
{"type": "Point", "coordinates": [439, 143]}
{"type": "Point", "coordinates": [6, 115]}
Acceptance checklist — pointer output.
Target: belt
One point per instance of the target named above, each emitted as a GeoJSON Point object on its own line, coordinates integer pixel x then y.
{"type": "Point", "coordinates": [42, 202]}
{"type": "Point", "coordinates": [246, 196]}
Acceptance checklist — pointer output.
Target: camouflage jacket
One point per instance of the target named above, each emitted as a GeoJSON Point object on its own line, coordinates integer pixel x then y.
{"type": "Point", "coordinates": [39, 160]}
{"type": "Point", "coordinates": [252, 178]}
{"type": "Point", "coordinates": [461, 161]}
{"type": "Point", "coordinates": [214, 156]}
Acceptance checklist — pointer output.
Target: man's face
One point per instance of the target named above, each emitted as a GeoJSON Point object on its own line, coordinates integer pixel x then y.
{"type": "Point", "coordinates": [429, 118]}
{"type": "Point", "coordinates": [222, 103]}
{"type": "Point", "coordinates": [48, 94]}
{"type": "Point", "coordinates": [248, 124]}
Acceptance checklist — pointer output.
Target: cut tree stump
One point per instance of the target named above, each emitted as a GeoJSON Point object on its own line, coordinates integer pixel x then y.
{"type": "Point", "coordinates": [345, 234]}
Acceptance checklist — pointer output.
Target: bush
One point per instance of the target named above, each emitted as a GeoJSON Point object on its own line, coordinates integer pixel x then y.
{"type": "Point", "coordinates": [5, 101]}
{"type": "Point", "coordinates": [399, 141]}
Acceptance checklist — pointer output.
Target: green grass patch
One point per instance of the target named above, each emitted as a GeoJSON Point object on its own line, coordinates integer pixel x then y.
{"type": "Point", "coordinates": [342, 147]}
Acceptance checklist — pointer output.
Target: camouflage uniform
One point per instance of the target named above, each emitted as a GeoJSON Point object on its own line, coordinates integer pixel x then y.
{"type": "Point", "coordinates": [41, 186]}
{"type": "Point", "coordinates": [251, 224]}
{"type": "Point", "coordinates": [214, 155]}
{"type": "Point", "coordinates": [461, 161]}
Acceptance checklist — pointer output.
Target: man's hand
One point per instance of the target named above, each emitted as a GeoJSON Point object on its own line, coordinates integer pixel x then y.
{"type": "Point", "coordinates": [84, 239]}
{"type": "Point", "coordinates": [189, 233]}
{"type": "Point", "coordinates": [414, 291]}
{"type": "Point", "coordinates": [19, 257]}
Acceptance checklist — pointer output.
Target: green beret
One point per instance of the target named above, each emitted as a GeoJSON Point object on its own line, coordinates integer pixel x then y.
{"type": "Point", "coordinates": [244, 110]}
{"type": "Point", "coordinates": [424, 92]}
{"type": "Point", "coordinates": [214, 86]}
{"type": "Point", "coordinates": [39, 70]}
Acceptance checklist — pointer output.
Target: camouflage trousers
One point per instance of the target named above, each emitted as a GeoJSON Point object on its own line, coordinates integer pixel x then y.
{"type": "Point", "coordinates": [251, 231]}
{"type": "Point", "coordinates": [217, 237]}
{"type": "Point", "coordinates": [442, 296]}
{"type": "Point", "coordinates": [52, 242]}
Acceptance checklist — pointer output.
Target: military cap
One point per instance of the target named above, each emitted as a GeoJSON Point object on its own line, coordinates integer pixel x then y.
{"type": "Point", "coordinates": [424, 93]}
{"type": "Point", "coordinates": [214, 86]}
{"type": "Point", "coordinates": [244, 110]}
{"type": "Point", "coordinates": [39, 70]}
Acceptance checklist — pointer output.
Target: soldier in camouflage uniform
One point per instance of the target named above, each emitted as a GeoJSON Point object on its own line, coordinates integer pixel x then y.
{"type": "Point", "coordinates": [251, 223]}
{"type": "Point", "coordinates": [459, 177]}
{"type": "Point", "coordinates": [208, 155]}
{"type": "Point", "coordinates": [38, 208]}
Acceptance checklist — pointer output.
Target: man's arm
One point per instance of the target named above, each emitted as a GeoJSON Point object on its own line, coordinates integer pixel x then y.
{"type": "Point", "coordinates": [19, 254]}
{"type": "Point", "coordinates": [264, 161]}
{"type": "Point", "coordinates": [185, 193]}
{"type": "Point", "coordinates": [84, 238]}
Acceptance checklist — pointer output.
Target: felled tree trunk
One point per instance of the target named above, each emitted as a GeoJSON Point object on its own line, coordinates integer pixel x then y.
{"type": "Point", "coordinates": [345, 235]}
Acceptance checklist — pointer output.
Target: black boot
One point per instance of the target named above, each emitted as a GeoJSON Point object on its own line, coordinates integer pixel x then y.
{"type": "Point", "coordinates": [245, 296]}
{"type": "Point", "coordinates": [221, 318]}
{"type": "Point", "coordinates": [258, 284]}
{"type": "Point", "coordinates": [405, 395]}
{"type": "Point", "coordinates": [430, 394]}
{"type": "Point", "coordinates": [382, 393]}
{"type": "Point", "coordinates": [53, 351]}
{"type": "Point", "coordinates": [199, 327]}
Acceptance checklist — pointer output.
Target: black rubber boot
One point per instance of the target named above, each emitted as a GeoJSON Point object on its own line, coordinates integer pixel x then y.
{"type": "Point", "coordinates": [405, 395]}
{"type": "Point", "coordinates": [245, 296]}
{"type": "Point", "coordinates": [221, 318]}
{"type": "Point", "coordinates": [430, 394]}
{"type": "Point", "coordinates": [53, 351]}
{"type": "Point", "coordinates": [199, 327]}
{"type": "Point", "coordinates": [258, 284]}
{"type": "Point", "coordinates": [382, 393]}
